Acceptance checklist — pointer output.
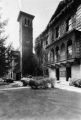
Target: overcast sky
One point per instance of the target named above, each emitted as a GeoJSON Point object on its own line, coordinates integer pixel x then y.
{"type": "Point", "coordinates": [41, 9]}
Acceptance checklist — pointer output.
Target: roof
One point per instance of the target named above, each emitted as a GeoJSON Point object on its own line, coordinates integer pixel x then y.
{"type": "Point", "coordinates": [25, 14]}
{"type": "Point", "coordinates": [60, 7]}
{"type": "Point", "coordinates": [64, 4]}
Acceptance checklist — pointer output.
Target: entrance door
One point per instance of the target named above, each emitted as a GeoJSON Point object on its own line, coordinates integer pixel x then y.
{"type": "Point", "coordinates": [68, 73]}
{"type": "Point", "coordinates": [57, 73]}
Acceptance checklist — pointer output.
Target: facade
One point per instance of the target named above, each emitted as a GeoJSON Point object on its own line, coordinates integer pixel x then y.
{"type": "Point", "coordinates": [26, 39]}
{"type": "Point", "coordinates": [62, 41]}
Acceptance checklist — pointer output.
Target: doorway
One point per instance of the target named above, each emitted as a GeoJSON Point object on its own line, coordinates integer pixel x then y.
{"type": "Point", "coordinates": [57, 73]}
{"type": "Point", "coordinates": [68, 73]}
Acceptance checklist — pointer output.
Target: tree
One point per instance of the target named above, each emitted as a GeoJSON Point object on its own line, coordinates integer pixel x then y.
{"type": "Point", "coordinates": [41, 56]}
{"type": "Point", "coordinates": [3, 49]}
{"type": "Point", "coordinates": [39, 53]}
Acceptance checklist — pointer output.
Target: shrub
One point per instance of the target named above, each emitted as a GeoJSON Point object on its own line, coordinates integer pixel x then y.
{"type": "Point", "coordinates": [75, 82]}
{"type": "Point", "coordinates": [43, 83]}
{"type": "Point", "coordinates": [25, 81]}
{"type": "Point", "coordinates": [33, 84]}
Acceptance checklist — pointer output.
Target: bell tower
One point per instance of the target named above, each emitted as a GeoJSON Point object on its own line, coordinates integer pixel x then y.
{"type": "Point", "coordinates": [26, 39]}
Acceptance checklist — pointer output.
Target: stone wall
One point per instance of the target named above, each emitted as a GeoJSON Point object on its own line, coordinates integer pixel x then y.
{"type": "Point", "coordinates": [52, 73]}
{"type": "Point", "coordinates": [76, 71]}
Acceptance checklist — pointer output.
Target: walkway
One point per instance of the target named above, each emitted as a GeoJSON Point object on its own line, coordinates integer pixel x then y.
{"type": "Point", "coordinates": [59, 85]}
{"type": "Point", "coordinates": [66, 86]}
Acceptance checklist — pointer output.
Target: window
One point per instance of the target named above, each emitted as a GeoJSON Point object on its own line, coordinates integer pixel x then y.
{"type": "Point", "coordinates": [46, 42]}
{"type": "Point", "coordinates": [52, 55]}
{"type": "Point", "coordinates": [49, 37]}
{"type": "Point", "coordinates": [27, 22]}
{"type": "Point", "coordinates": [48, 56]}
{"type": "Point", "coordinates": [62, 53]}
{"type": "Point", "coordinates": [57, 54]}
{"type": "Point", "coordinates": [52, 36]}
{"type": "Point", "coordinates": [68, 24]}
{"type": "Point", "coordinates": [69, 49]}
{"type": "Point", "coordinates": [57, 32]}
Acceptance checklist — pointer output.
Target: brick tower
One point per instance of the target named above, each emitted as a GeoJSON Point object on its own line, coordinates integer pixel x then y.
{"type": "Point", "coordinates": [26, 39]}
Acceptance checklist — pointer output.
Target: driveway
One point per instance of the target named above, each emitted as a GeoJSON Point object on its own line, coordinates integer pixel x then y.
{"type": "Point", "coordinates": [28, 104]}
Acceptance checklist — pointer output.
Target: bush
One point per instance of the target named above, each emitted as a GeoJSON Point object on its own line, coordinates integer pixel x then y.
{"type": "Point", "coordinates": [42, 83]}
{"type": "Point", "coordinates": [75, 82]}
{"type": "Point", "coordinates": [25, 81]}
{"type": "Point", "coordinates": [34, 84]}
{"type": "Point", "coordinates": [17, 84]}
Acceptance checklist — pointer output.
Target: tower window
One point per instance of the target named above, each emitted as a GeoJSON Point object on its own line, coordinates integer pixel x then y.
{"type": "Point", "coordinates": [26, 21]}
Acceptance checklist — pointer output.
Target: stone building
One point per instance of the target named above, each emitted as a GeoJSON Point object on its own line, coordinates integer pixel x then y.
{"type": "Point", "coordinates": [26, 39]}
{"type": "Point", "coordinates": [62, 41]}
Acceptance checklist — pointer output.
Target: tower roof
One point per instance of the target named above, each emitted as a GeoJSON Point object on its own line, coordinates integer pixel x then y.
{"type": "Point", "coordinates": [21, 13]}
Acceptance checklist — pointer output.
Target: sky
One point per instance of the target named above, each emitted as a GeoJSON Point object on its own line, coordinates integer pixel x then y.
{"type": "Point", "coordinates": [41, 9]}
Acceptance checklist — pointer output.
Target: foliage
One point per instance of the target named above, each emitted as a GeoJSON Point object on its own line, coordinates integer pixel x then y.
{"type": "Point", "coordinates": [31, 66]}
{"type": "Point", "coordinates": [3, 49]}
{"type": "Point", "coordinates": [41, 56]}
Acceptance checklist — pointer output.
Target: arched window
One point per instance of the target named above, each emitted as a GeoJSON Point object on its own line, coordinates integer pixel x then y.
{"type": "Point", "coordinates": [57, 56]}
{"type": "Point", "coordinates": [68, 24]}
{"type": "Point", "coordinates": [49, 56]}
{"type": "Point", "coordinates": [69, 49]}
{"type": "Point", "coordinates": [62, 55]}
{"type": "Point", "coordinates": [25, 21]}
{"type": "Point", "coordinates": [52, 55]}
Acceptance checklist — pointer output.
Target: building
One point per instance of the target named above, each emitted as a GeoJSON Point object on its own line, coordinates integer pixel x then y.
{"type": "Point", "coordinates": [62, 41]}
{"type": "Point", "coordinates": [26, 40]}
{"type": "Point", "coordinates": [14, 65]}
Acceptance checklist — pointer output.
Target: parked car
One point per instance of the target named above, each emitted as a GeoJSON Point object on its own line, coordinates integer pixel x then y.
{"type": "Point", "coordinates": [8, 80]}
